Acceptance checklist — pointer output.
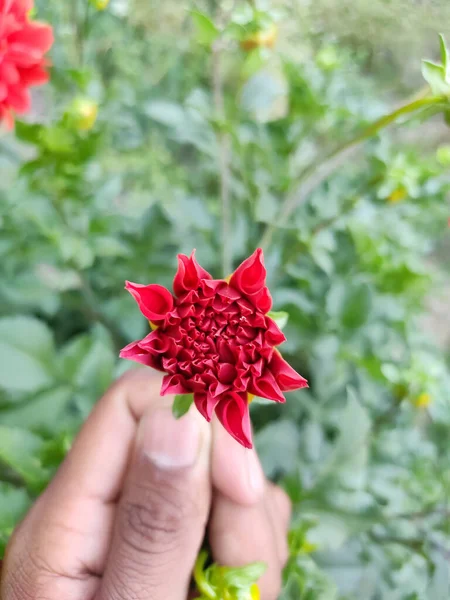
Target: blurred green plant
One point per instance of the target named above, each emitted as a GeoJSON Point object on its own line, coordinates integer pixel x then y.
{"type": "Point", "coordinates": [163, 128]}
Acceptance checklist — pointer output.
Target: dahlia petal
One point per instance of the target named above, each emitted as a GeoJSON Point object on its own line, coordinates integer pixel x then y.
{"type": "Point", "coordinates": [9, 73]}
{"type": "Point", "coordinates": [226, 291]}
{"type": "Point", "coordinates": [174, 384]}
{"type": "Point", "coordinates": [189, 274]}
{"type": "Point", "coordinates": [20, 8]}
{"type": "Point", "coordinates": [250, 277]}
{"type": "Point", "coordinates": [266, 386]}
{"type": "Point", "coordinates": [287, 378]}
{"type": "Point", "coordinates": [134, 352]}
{"type": "Point", "coordinates": [6, 117]}
{"type": "Point", "coordinates": [19, 99]}
{"type": "Point", "coordinates": [217, 388]}
{"type": "Point", "coordinates": [156, 343]}
{"type": "Point", "coordinates": [233, 412]}
{"type": "Point", "coordinates": [262, 300]}
{"type": "Point", "coordinates": [205, 404]}
{"type": "Point", "coordinates": [273, 335]}
{"type": "Point", "coordinates": [37, 37]}
{"type": "Point", "coordinates": [226, 373]}
{"type": "Point", "coordinates": [154, 301]}
{"type": "Point", "coordinates": [209, 287]}
{"type": "Point", "coordinates": [35, 75]}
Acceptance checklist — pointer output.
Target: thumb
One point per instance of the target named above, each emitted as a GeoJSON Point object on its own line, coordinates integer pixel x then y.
{"type": "Point", "coordinates": [162, 514]}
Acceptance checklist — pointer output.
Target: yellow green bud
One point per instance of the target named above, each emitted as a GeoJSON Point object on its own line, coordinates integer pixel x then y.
{"type": "Point", "coordinates": [83, 113]}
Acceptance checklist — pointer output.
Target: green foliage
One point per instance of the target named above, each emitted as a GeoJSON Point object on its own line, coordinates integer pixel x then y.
{"type": "Point", "coordinates": [227, 583]}
{"type": "Point", "coordinates": [87, 204]}
{"type": "Point", "coordinates": [181, 404]}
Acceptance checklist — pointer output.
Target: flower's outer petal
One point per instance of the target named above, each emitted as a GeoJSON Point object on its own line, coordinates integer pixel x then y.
{"type": "Point", "coordinates": [250, 277]}
{"type": "Point", "coordinates": [34, 36]}
{"type": "Point", "coordinates": [189, 274]}
{"type": "Point", "coordinates": [19, 99]}
{"type": "Point", "coordinates": [233, 412]}
{"type": "Point", "coordinates": [287, 378]}
{"type": "Point", "coordinates": [273, 335]}
{"type": "Point", "coordinates": [134, 352]}
{"type": "Point", "coordinates": [266, 386]}
{"type": "Point", "coordinates": [174, 384]}
{"type": "Point", "coordinates": [205, 404]}
{"type": "Point", "coordinates": [154, 300]}
{"type": "Point", "coordinates": [35, 75]}
{"type": "Point", "coordinates": [262, 300]}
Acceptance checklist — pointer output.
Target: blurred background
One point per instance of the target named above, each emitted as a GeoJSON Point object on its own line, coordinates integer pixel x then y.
{"type": "Point", "coordinates": [173, 125]}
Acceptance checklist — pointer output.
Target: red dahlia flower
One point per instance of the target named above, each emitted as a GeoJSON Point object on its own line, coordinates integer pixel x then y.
{"type": "Point", "coordinates": [214, 339]}
{"type": "Point", "coordinates": [23, 44]}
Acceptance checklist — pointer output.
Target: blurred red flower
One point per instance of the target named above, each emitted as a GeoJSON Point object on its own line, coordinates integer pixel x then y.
{"type": "Point", "coordinates": [23, 44]}
{"type": "Point", "coordinates": [214, 339]}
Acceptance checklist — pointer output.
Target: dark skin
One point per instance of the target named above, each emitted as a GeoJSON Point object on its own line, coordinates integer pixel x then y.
{"type": "Point", "coordinates": [126, 514]}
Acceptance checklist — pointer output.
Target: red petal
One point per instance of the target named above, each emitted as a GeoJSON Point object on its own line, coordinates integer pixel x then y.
{"type": "Point", "coordinates": [9, 73]}
{"type": "Point", "coordinates": [273, 335]}
{"type": "Point", "coordinates": [288, 379]}
{"type": "Point", "coordinates": [250, 277]}
{"type": "Point", "coordinates": [6, 116]}
{"type": "Point", "coordinates": [266, 386]}
{"type": "Point", "coordinates": [189, 274]}
{"type": "Point", "coordinates": [154, 300]}
{"type": "Point", "coordinates": [134, 352]}
{"type": "Point", "coordinates": [35, 75]}
{"type": "Point", "coordinates": [233, 412]}
{"type": "Point", "coordinates": [205, 404]}
{"type": "Point", "coordinates": [34, 36]}
{"type": "Point", "coordinates": [174, 384]}
{"type": "Point", "coordinates": [262, 300]}
{"type": "Point", "coordinates": [19, 99]}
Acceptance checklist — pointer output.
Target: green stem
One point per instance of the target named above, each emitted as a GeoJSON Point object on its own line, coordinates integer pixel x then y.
{"type": "Point", "coordinates": [203, 586]}
{"type": "Point", "coordinates": [319, 172]}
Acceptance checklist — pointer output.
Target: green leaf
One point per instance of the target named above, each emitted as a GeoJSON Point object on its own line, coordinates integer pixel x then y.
{"type": "Point", "coordinates": [350, 454]}
{"type": "Point", "coordinates": [206, 31]}
{"type": "Point", "coordinates": [435, 76]}
{"type": "Point", "coordinates": [19, 450]}
{"type": "Point", "coordinates": [278, 444]}
{"type": "Point", "coordinates": [14, 503]}
{"type": "Point", "coordinates": [47, 411]}
{"type": "Point", "coordinates": [166, 112]}
{"type": "Point", "coordinates": [182, 404]}
{"type": "Point", "coordinates": [349, 303]}
{"type": "Point", "coordinates": [444, 55]}
{"type": "Point", "coordinates": [87, 362]}
{"type": "Point", "coordinates": [26, 354]}
{"type": "Point", "coordinates": [243, 577]}
{"type": "Point", "coordinates": [281, 318]}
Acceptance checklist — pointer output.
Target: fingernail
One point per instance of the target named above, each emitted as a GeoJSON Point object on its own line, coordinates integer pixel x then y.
{"type": "Point", "coordinates": [170, 443]}
{"type": "Point", "coordinates": [255, 473]}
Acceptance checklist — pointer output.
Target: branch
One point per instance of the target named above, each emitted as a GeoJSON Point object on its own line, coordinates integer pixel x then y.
{"type": "Point", "coordinates": [319, 172]}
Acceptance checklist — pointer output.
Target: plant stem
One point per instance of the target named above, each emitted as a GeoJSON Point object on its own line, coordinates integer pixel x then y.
{"type": "Point", "coordinates": [224, 150]}
{"type": "Point", "coordinates": [318, 172]}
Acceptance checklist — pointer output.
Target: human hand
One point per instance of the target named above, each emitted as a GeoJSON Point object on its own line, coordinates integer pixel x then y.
{"type": "Point", "coordinates": [125, 516]}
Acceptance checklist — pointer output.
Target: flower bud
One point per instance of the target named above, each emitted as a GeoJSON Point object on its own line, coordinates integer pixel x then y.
{"type": "Point", "coordinates": [443, 155]}
{"type": "Point", "coordinates": [422, 400]}
{"type": "Point", "coordinates": [99, 4]}
{"type": "Point", "coordinates": [264, 38]}
{"type": "Point", "coordinates": [83, 113]}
